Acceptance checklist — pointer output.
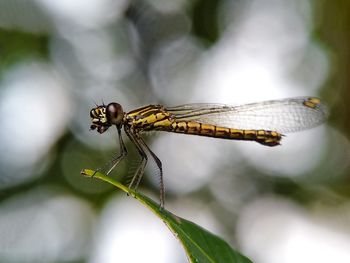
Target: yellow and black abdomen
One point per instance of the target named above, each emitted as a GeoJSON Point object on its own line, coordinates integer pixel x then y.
{"type": "Point", "coordinates": [269, 138]}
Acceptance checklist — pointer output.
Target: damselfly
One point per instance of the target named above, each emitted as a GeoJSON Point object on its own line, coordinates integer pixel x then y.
{"type": "Point", "coordinates": [263, 122]}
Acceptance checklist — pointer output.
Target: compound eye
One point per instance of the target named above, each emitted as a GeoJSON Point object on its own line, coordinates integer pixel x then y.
{"type": "Point", "coordinates": [114, 113]}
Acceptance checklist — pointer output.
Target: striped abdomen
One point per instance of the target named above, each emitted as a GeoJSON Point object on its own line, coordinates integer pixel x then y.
{"type": "Point", "coordinates": [269, 138]}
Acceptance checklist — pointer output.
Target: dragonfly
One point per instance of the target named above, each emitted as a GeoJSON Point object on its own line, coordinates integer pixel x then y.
{"type": "Point", "coordinates": [262, 122]}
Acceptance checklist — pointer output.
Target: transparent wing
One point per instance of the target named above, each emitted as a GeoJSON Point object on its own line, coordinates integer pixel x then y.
{"type": "Point", "coordinates": [286, 115]}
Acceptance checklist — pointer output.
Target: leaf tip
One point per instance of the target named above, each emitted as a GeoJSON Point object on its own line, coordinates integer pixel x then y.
{"type": "Point", "coordinates": [87, 172]}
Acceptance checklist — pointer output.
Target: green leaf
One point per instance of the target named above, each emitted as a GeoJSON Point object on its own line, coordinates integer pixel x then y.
{"type": "Point", "coordinates": [199, 244]}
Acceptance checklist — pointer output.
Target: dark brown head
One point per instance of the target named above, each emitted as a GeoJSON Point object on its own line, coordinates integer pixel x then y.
{"type": "Point", "coordinates": [103, 117]}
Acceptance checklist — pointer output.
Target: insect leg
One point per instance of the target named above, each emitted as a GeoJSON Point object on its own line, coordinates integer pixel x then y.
{"type": "Point", "coordinates": [123, 153]}
{"type": "Point", "coordinates": [140, 170]}
{"type": "Point", "coordinates": [159, 164]}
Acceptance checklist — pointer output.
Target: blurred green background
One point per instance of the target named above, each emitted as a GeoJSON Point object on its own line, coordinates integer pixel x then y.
{"type": "Point", "coordinates": [59, 58]}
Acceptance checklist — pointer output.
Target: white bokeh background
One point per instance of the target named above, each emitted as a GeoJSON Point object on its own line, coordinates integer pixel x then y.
{"type": "Point", "coordinates": [265, 51]}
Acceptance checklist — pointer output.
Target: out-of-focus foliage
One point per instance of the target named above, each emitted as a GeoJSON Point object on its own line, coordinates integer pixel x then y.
{"type": "Point", "coordinates": [332, 27]}
{"type": "Point", "coordinates": [205, 20]}
{"type": "Point", "coordinates": [16, 46]}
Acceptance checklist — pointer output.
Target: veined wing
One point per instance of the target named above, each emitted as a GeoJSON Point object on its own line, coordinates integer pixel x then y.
{"type": "Point", "coordinates": [286, 115]}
